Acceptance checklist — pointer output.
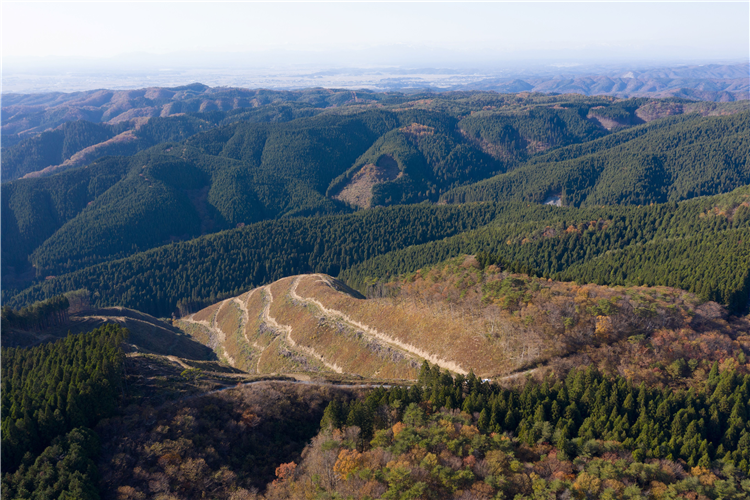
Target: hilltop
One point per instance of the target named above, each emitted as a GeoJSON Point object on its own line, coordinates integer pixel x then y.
{"type": "Point", "coordinates": [464, 316]}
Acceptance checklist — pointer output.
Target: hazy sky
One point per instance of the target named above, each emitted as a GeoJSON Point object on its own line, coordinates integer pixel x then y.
{"type": "Point", "coordinates": [379, 31]}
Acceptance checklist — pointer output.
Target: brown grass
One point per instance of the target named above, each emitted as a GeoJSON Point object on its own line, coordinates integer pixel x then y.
{"type": "Point", "coordinates": [229, 318]}
{"type": "Point", "coordinates": [337, 342]}
{"type": "Point", "coordinates": [438, 329]}
{"type": "Point", "coordinates": [486, 320]}
{"type": "Point", "coordinates": [206, 314]}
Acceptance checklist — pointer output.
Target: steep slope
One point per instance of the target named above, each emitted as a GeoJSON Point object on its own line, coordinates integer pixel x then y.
{"type": "Point", "coordinates": [266, 172]}
{"type": "Point", "coordinates": [34, 209]}
{"type": "Point", "coordinates": [54, 147]}
{"type": "Point", "coordinates": [239, 173]}
{"type": "Point", "coordinates": [692, 157]}
{"type": "Point", "coordinates": [274, 329]}
{"type": "Point", "coordinates": [436, 151]}
{"type": "Point", "coordinates": [227, 263]}
{"type": "Point", "coordinates": [527, 132]}
{"type": "Point", "coordinates": [460, 315]}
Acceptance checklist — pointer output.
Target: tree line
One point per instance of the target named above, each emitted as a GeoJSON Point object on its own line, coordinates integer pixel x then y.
{"type": "Point", "coordinates": [39, 315]}
{"type": "Point", "coordinates": [698, 245]}
{"type": "Point", "coordinates": [601, 434]}
{"type": "Point", "coordinates": [231, 262]}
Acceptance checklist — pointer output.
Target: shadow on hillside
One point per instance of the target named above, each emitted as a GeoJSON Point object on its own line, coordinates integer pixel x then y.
{"type": "Point", "coordinates": [147, 333]}
{"type": "Point", "coordinates": [152, 335]}
{"type": "Point", "coordinates": [225, 442]}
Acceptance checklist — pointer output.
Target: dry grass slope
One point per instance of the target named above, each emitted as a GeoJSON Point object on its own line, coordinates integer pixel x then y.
{"type": "Point", "coordinates": [462, 318]}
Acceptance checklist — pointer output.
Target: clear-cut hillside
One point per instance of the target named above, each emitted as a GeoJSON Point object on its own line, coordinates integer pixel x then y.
{"type": "Point", "coordinates": [316, 323]}
{"type": "Point", "coordinates": [283, 327]}
{"type": "Point", "coordinates": [462, 316]}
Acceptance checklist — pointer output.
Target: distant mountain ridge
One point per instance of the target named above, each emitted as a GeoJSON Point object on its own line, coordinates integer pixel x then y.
{"type": "Point", "coordinates": [711, 82]}
{"type": "Point", "coordinates": [28, 114]}
{"type": "Point", "coordinates": [25, 115]}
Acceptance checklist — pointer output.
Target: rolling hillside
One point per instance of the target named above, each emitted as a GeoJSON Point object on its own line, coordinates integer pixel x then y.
{"type": "Point", "coordinates": [239, 172]}
{"type": "Point", "coordinates": [185, 274]}
{"type": "Point", "coordinates": [31, 114]}
{"type": "Point", "coordinates": [79, 143]}
{"type": "Point", "coordinates": [237, 168]}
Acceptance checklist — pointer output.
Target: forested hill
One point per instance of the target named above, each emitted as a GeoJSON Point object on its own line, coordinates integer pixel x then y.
{"type": "Point", "coordinates": [27, 115]}
{"type": "Point", "coordinates": [246, 165]}
{"type": "Point", "coordinates": [101, 211]}
{"type": "Point", "coordinates": [55, 146]}
{"type": "Point", "coordinates": [668, 160]}
{"type": "Point", "coordinates": [585, 436]}
{"type": "Point", "coordinates": [213, 171]}
{"type": "Point", "coordinates": [50, 390]}
{"type": "Point", "coordinates": [699, 245]}
{"type": "Point", "coordinates": [584, 244]}
{"type": "Point", "coordinates": [245, 169]}
{"type": "Point", "coordinates": [81, 142]}
{"type": "Point", "coordinates": [210, 267]}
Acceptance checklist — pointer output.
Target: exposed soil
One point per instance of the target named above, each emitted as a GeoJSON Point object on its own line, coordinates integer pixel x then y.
{"type": "Point", "coordinates": [89, 154]}
{"type": "Point", "coordinates": [359, 191]}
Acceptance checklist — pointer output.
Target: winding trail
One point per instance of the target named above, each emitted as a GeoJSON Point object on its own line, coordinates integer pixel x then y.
{"type": "Point", "coordinates": [219, 335]}
{"type": "Point", "coordinates": [246, 321]}
{"type": "Point", "coordinates": [243, 305]}
{"type": "Point", "coordinates": [416, 351]}
{"type": "Point", "coordinates": [288, 333]}
{"type": "Point", "coordinates": [175, 359]}
{"type": "Point", "coordinates": [519, 374]}
{"type": "Point", "coordinates": [310, 382]}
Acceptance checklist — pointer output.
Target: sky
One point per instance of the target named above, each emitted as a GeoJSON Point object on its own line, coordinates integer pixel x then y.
{"type": "Point", "coordinates": [362, 34]}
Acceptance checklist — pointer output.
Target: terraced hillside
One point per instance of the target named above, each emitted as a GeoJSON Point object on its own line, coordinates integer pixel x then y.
{"type": "Point", "coordinates": [280, 328]}
{"type": "Point", "coordinates": [462, 316]}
